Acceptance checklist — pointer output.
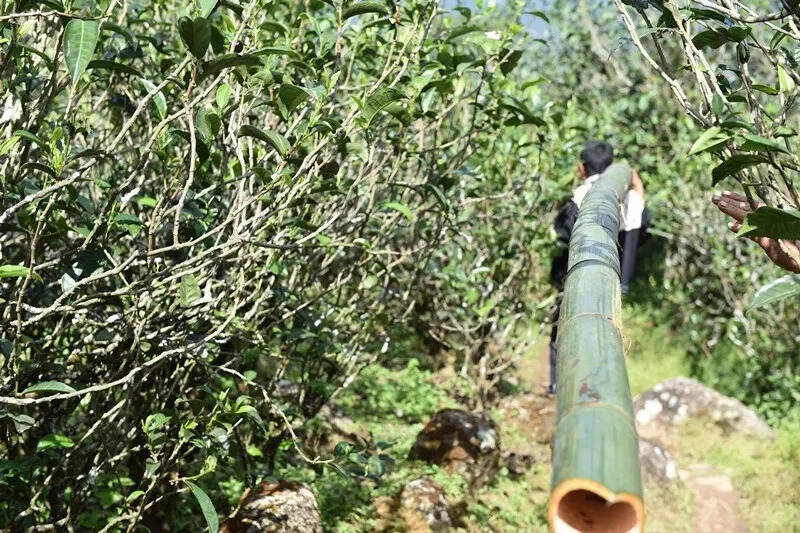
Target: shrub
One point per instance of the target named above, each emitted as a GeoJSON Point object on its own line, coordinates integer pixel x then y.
{"type": "Point", "coordinates": [214, 215]}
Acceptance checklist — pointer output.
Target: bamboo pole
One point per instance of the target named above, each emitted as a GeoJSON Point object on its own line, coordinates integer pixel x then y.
{"type": "Point", "coordinates": [596, 484]}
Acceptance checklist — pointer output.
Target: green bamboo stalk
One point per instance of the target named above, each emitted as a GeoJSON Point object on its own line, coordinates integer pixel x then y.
{"type": "Point", "coordinates": [596, 484]}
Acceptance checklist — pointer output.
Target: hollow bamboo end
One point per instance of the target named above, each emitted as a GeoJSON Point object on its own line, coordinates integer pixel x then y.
{"type": "Point", "coordinates": [585, 506]}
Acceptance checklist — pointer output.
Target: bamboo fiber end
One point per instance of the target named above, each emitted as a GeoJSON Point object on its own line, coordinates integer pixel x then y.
{"type": "Point", "coordinates": [582, 505]}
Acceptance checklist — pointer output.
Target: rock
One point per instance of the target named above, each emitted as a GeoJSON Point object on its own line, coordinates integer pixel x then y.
{"type": "Point", "coordinates": [462, 443]}
{"type": "Point", "coordinates": [518, 463]}
{"type": "Point", "coordinates": [423, 506]}
{"type": "Point", "coordinates": [337, 427]}
{"type": "Point", "coordinates": [672, 402]}
{"type": "Point", "coordinates": [276, 507]}
{"type": "Point", "coordinates": [657, 462]}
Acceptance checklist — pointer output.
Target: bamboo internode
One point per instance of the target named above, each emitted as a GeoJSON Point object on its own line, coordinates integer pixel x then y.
{"type": "Point", "coordinates": [596, 484]}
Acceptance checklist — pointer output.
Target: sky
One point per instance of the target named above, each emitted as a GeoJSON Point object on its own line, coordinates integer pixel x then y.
{"type": "Point", "coordinates": [534, 24]}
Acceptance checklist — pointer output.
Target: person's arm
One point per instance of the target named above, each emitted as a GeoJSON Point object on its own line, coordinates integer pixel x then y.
{"type": "Point", "coordinates": [637, 184]}
{"type": "Point", "coordinates": [633, 211]}
{"type": "Point", "coordinates": [782, 252]}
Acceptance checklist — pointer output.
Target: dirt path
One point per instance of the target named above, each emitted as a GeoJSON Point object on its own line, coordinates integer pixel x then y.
{"type": "Point", "coordinates": [717, 504]}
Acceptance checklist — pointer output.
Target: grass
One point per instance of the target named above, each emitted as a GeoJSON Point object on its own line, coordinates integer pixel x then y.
{"type": "Point", "coordinates": [766, 474]}
{"type": "Point", "coordinates": [652, 351]}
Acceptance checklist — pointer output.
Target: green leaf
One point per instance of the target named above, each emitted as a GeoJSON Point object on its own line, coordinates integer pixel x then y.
{"type": "Point", "coordinates": [711, 138]}
{"type": "Point", "coordinates": [88, 152]}
{"type": "Point", "coordinates": [119, 30]}
{"type": "Point", "coordinates": [54, 440]}
{"type": "Point", "coordinates": [706, 14]}
{"type": "Point", "coordinates": [717, 37]}
{"type": "Point", "coordinates": [756, 143]}
{"type": "Point", "coordinates": [709, 38]}
{"type": "Point", "coordinates": [13, 271]}
{"type": "Point", "coordinates": [771, 222]}
{"type": "Point", "coordinates": [189, 290]}
{"type": "Point", "coordinates": [379, 101]}
{"type": "Point", "coordinates": [251, 411]}
{"type": "Point", "coordinates": [159, 102]}
{"type": "Point", "coordinates": [784, 131]}
{"type": "Point", "coordinates": [40, 168]}
{"type": "Point", "coordinates": [277, 51]}
{"type": "Point", "coordinates": [463, 30]}
{"type": "Point", "coordinates": [738, 33]}
{"type": "Point", "coordinates": [539, 14]}
{"type": "Point", "coordinates": [206, 506]}
{"type": "Point", "coordinates": [343, 449]}
{"type": "Point", "coordinates": [734, 164]}
{"type": "Point", "coordinates": [717, 105]}
{"type": "Point", "coordinates": [207, 124]}
{"type": "Point", "coordinates": [778, 36]}
{"type": "Point", "coordinates": [273, 138]}
{"type": "Point", "coordinates": [254, 452]}
{"type": "Point", "coordinates": [196, 34]}
{"type": "Point", "coordinates": [229, 60]}
{"type": "Point", "coordinates": [45, 57]}
{"type": "Point", "coordinates": [49, 386]}
{"type": "Point", "coordinates": [206, 6]}
{"type": "Point", "coordinates": [510, 62]}
{"type": "Point", "coordinates": [113, 65]}
{"type": "Point", "coordinates": [134, 495]}
{"type": "Point", "coordinates": [328, 125]}
{"type": "Point", "coordinates": [766, 89]}
{"type": "Point", "coordinates": [7, 144]}
{"type": "Point", "coordinates": [223, 95]}
{"type": "Point", "coordinates": [364, 7]}
{"type": "Point", "coordinates": [129, 222]}
{"type": "Point", "coordinates": [274, 26]}
{"type": "Point", "coordinates": [735, 123]}
{"type": "Point", "coordinates": [777, 290]}
{"type": "Point", "coordinates": [80, 40]}
{"type": "Point", "coordinates": [403, 210]}
{"type": "Point", "coordinates": [233, 6]}
{"type": "Point", "coordinates": [22, 423]}
{"type": "Point", "coordinates": [521, 113]}
{"type": "Point", "coordinates": [25, 134]}
{"type": "Point", "coordinates": [154, 422]}
{"type": "Point", "coordinates": [290, 97]}
{"type": "Point", "coordinates": [785, 81]}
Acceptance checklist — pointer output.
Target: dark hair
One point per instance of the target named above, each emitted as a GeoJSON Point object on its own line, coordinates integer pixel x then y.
{"type": "Point", "coordinates": [596, 156]}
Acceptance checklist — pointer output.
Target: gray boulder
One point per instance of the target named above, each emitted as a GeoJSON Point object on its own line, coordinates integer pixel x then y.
{"type": "Point", "coordinates": [423, 506]}
{"type": "Point", "coordinates": [276, 507]}
{"type": "Point", "coordinates": [657, 463]}
{"type": "Point", "coordinates": [676, 400]}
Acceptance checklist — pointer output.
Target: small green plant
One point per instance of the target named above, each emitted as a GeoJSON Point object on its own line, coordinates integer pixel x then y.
{"type": "Point", "coordinates": [408, 394]}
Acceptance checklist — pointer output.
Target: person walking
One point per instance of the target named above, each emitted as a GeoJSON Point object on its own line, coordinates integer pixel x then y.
{"type": "Point", "coordinates": [595, 158]}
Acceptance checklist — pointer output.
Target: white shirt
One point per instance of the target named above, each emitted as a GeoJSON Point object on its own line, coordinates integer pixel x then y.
{"type": "Point", "coordinates": [631, 208]}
